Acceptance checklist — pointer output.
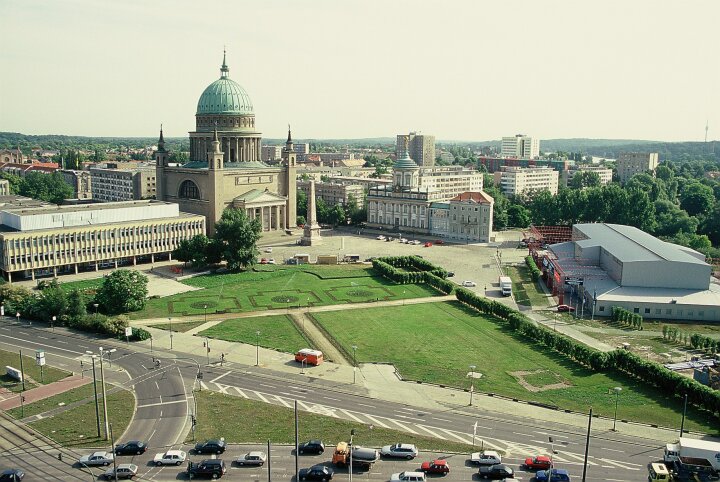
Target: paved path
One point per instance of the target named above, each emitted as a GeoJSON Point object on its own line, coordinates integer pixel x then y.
{"type": "Point", "coordinates": [45, 391]}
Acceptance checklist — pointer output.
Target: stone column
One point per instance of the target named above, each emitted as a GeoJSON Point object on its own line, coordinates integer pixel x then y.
{"type": "Point", "coordinates": [76, 268]}
{"type": "Point", "coordinates": [237, 151]}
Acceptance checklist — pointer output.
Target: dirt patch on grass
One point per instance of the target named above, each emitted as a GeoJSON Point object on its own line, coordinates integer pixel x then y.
{"type": "Point", "coordinates": [536, 381]}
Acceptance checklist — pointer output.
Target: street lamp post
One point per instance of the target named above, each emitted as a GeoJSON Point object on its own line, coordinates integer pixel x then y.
{"type": "Point", "coordinates": [52, 323]}
{"type": "Point", "coordinates": [112, 450]}
{"type": "Point", "coordinates": [354, 348]}
{"type": "Point", "coordinates": [257, 348]}
{"type": "Point", "coordinates": [350, 470]}
{"type": "Point", "coordinates": [112, 350]}
{"type": "Point", "coordinates": [102, 385]}
{"type": "Point", "coordinates": [207, 347]}
{"type": "Point", "coordinates": [18, 316]}
{"type": "Point", "coordinates": [205, 308]}
{"type": "Point", "coordinates": [96, 309]}
{"type": "Point", "coordinates": [472, 381]}
{"type": "Point", "coordinates": [171, 333]}
{"type": "Point", "coordinates": [97, 408]}
{"type": "Point", "coordinates": [617, 391]}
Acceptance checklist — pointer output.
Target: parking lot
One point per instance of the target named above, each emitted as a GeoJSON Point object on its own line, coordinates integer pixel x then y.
{"type": "Point", "coordinates": [472, 262]}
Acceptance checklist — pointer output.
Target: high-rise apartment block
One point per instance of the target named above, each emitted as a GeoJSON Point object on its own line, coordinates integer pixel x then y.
{"type": "Point", "coordinates": [519, 180]}
{"type": "Point", "coordinates": [520, 147]}
{"type": "Point", "coordinates": [114, 185]}
{"type": "Point", "coordinates": [631, 163]}
{"type": "Point", "coordinates": [420, 147]}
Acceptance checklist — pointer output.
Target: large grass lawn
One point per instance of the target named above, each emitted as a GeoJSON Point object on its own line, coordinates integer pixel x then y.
{"type": "Point", "coordinates": [277, 287]}
{"type": "Point", "coordinates": [77, 427]}
{"type": "Point", "coordinates": [438, 342]}
{"type": "Point", "coordinates": [32, 371]}
{"type": "Point", "coordinates": [526, 291]}
{"type": "Point", "coordinates": [248, 421]}
{"type": "Point", "coordinates": [276, 331]}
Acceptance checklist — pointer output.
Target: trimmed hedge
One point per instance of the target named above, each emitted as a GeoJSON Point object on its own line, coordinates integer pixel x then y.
{"type": "Point", "coordinates": [425, 272]}
{"type": "Point", "coordinates": [535, 272]}
{"type": "Point", "coordinates": [623, 361]}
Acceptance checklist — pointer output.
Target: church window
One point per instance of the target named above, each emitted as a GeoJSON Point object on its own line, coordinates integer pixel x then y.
{"type": "Point", "coordinates": [189, 190]}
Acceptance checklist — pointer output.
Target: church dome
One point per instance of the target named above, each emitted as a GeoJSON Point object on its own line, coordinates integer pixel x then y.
{"type": "Point", "coordinates": [405, 162]}
{"type": "Point", "coordinates": [224, 96]}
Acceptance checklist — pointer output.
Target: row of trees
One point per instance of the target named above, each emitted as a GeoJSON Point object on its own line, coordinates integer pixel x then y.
{"type": "Point", "coordinates": [422, 272]}
{"type": "Point", "coordinates": [624, 361]}
{"type": "Point", "coordinates": [122, 291]}
{"type": "Point", "coordinates": [621, 315]}
{"type": "Point", "coordinates": [47, 187]}
{"type": "Point", "coordinates": [695, 340]}
{"type": "Point", "coordinates": [235, 242]}
{"type": "Point", "coordinates": [327, 214]}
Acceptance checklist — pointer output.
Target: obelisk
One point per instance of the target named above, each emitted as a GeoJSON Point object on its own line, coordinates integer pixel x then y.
{"type": "Point", "coordinates": [311, 233]}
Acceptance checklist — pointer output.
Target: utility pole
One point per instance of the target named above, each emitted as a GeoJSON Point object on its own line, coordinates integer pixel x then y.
{"type": "Point", "coordinates": [587, 445]}
{"type": "Point", "coordinates": [97, 408]}
{"type": "Point", "coordinates": [22, 372]}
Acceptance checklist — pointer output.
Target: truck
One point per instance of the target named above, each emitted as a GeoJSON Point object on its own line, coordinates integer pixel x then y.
{"type": "Point", "coordinates": [362, 458]}
{"type": "Point", "coordinates": [505, 285]}
{"type": "Point", "coordinates": [693, 448]}
{"type": "Point", "coordinates": [684, 469]}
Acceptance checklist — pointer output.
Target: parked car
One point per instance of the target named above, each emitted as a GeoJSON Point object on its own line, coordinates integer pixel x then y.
{"type": "Point", "coordinates": [210, 447]}
{"type": "Point", "coordinates": [469, 284]}
{"type": "Point", "coordinates": [271, 261]}
{"type": "Point", "coordinates": [316, 472]}
{"type": "Point", "coordinates": [565, 308]}
{"type": "Point", "coordinates": [211, 468]}
{"type": "Point", "coordinates": [12, 475]}
{"type": "Point", "coordinates": [439, 241]}
{"type": "Point", "coordinates": [263, 261]}
{"type": "Point", "coordinates": [311, 447]}
{"type": "Point", "coordinates": [407, 451]}
{"type": "Point", "coordinates": [437, 466]}
{"type": "Point", "coordinates": [540, 462]}
{"type": "Point", "coordinates": [124, 471]}
{"type": "Point", "coordinates": [133, 447]}
{"type": "Point", "coordinates": [428, 244]}
{"type": "Point", "coordinates": [256, 459]}
{"type": "Point", "coordinates": [97, 458]}
{"type": "Point", "coordinates": [268, 249]}
{"type": "Point", "coordinates": [451, 274]}
{"type": "Point", "coordinates": [487, 457]}
{"type": "Point", "coordinates": [553, 475]}
{"type": "Point", "coordinates": [171, 457]}
{"type": "Point", "coordinates": [380, 237]}
{"type": "Point", "coordinates": [496, 472]}
{"type": "Point", "coordinates": [408, 476]}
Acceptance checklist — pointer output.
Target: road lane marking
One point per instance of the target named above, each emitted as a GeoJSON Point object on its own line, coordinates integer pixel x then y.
{"type": "Point", "coordinates": [333, 399]}
{"type": "Point", "coordinates": [292, 395]}
{"type": "Point", "coordinates": [366, 405]}
{"type": "Point", "coordinates": [260, 395]}
{"type": "Point", "coordinates": [612, 450]}
{"type": "Point", "coordinates": [453, 434]}
{"type": "Point", "coordinates": [302, 405]}
{"type": "Point", "coordinates": [240, 392]}
{"type": "Point", "coordinates": [622, 465]}
{"type": "Point", "coordinates": [220, 376]}
{"type": "Point", "coordinates": [434, 434]}
{"type": "Point", "coordinates": [404, 427]}
{"type": "Point", "coordinates": [160, 403]}
{"type": "Point", "coordinates": [442, 419]}
{"type": "Point", "coordinates": [349, 414]}
{"type": "Point", "coordinates": [282, 400]}
{"type": "Point", "coordinates": [578, 457]}
{"type": "Point", "coordinates": [373, 419]}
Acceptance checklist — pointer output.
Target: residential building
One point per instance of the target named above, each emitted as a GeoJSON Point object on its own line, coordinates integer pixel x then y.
{"type": "Point", "coordinates": [365, 182]}
{"type": "Point", "coordinates": [470, 217]}
{"type": "Point", "coordinates": [14, 156]}
{"type": "Point", "coordinates": [271, 153]}
{"type": "Point", "coordinates": [604, 173]}
{"type": "Point", "coordinates": [421, 148]}
{"type": "Point", "coordinates": [22, 169]}
{"type": "Point", "coordinates": [519, 180]}
{"type": "Point", "coordinates": [112, 185]}
{"type": "Point", "coordinates": [494, 164]}
{"type": "Point", "coordinates": [450, 180]}
{"type": "Point", "coordinates": [631, 163]}
{"type": "Point", "coordinates": [80, 182]}
{"type": "Point", "coordinates": [225, 167]}
{"type": "Point", "coordinates": [615, 265]}
{"type": "Point", "coordinates": [48, 240]}
{"type": "Point", "coordinates": [520, 147]}
{"type": "Point", "coordinates": [335, 193]}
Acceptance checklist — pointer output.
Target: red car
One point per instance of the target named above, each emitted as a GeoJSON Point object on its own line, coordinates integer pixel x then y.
{"type": "Point", "coordinates": [541, 462]}
{"type": "Point", "coordinates": [264, 261]}
{"type": "Point", "coordinates": [439, 241]}
{"type": "Point", "coordinates": [428, 244]}
{"type": "Point", "coordinates": [565, 308]}
{"type": "Point", "coordinates": [437, 466]}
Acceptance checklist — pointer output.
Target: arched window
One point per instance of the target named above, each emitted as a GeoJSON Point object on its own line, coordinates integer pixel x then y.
{"type": "Point", "coordinates": [189, 190]}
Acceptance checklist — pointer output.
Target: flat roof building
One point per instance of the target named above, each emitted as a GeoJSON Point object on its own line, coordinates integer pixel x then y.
{"type": "Point", "coordinates": [631, 163]}
{"type": "Point", "coordinates": [520, 146]}
{"type": "Point", "coordinates": [112, 185]}
{"type": "Point", "coordinates": [520, 180]}
{"type": "Point", "coordinates": [420, 147]}
{"type": "Point", "coordinates": [39, 240]}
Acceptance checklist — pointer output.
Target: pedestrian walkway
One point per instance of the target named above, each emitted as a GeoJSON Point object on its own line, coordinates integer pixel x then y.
{"type": "Point", "coordinates": [44, 391]}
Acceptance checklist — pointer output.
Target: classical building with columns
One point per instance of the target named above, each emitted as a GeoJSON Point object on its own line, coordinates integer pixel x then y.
{"type": "Point", "coordinates": [225, 168]}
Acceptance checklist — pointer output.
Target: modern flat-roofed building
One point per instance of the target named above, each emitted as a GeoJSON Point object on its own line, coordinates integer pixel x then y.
{"type": "Point", "coordinates": [421, 148]}
{"type": "Point", "coordinates": [365, 182]}
{"type": "Point", "coordinates": [604, 173]}
{"type": "Point", "coordinates": [335, 193]}
{"type": "Point", "coordinates": [48, 239]}
{"type": "Point", "coordinates": [519, 180]}
{"type": "Point", "coordinates": [450, 180]}
{"type": "Point", "coordinates": [617, 265]}
{"type": "Point", "coordinates": [113, 185]}
{"type": "Point", "coordinates": [80, 182]}
{"type": "Point", "coordinates": [631, 163]}
{"type": "Point", "coordinates": [520, 146]}
{"type": "Point", "coordinates": [271, 153]}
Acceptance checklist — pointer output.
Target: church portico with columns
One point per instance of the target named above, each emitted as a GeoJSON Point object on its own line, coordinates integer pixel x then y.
{"type": "Point", "coordinates": [225, 168]}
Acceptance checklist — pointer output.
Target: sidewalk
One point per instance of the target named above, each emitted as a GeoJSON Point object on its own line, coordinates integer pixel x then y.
{"type": "Point", "coordinates": [45, 391]}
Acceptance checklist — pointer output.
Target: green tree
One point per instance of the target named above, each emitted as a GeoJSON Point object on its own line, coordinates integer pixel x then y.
{"type": "Point", "coordinates": [77, 305]}
{"type": "Point", "coordinates": [52, 301]}
{"type": "Point", "coordinates": [199, 245]}
{"type": "Point", "coordinates": [122, 291]}
{"type": "Point", "coordinates": [697, 198]}
{"type": "Point", "coordinates": [183, 252]}
{"type": "Point", "coordinates": [672, 220]}
{"type": "Point", "coordinates": [585, 179]}
{"type": "Point", "coordinates": [238, 237]}
{"type": "Point", "coordinates": [337, 215]}
{"type": "Point", "coordinates": [518, 216]}
{"type": "Point", "coordinates": [46, 187]}
{"type": "Point", "coordinates": [301, 202]}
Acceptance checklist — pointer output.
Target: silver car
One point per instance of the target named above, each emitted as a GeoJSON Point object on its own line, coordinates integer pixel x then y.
{"type": "Point", "coordinates": [97, 458]}
{"type": "Point", "coordinates": [124, 471]}
{"type": "Point", "coordinates": [256, 459]}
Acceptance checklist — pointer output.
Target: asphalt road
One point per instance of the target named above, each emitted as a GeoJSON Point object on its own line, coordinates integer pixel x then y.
{"type": "Point", "coordinates": [164, 398]}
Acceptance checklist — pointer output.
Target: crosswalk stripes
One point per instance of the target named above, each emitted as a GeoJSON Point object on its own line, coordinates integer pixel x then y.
{"type": "Point", "coordinates": [350, 414]}
{"type": "Point", "coordinates": [454, 434]}
{"type": "Point", "coordinates": [404, 427]}
{"type": "Point", "coordinates": [376, 421]}
{"type": "Point", "coordinates": [282, 400]}
{"type": "Point", "coordinates": [241, 393]}
{"type": "Point", "coordinates": [433, 434]}
{"type": "Point", "coordinates": [260, 396]}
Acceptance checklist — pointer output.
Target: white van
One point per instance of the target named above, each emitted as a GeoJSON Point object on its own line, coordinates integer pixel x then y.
{"type": "Point", "coordinates": [408, 477]}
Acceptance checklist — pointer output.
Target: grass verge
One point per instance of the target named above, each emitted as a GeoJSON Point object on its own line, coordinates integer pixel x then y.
{"type": "Point", "coordinates": [76, 427]}
{"type": "Point", "coordinates": [276, 331]}
{"type": "Point", "coordinates": [526, 291]}
{"type": "Point", "coordinates": [247, 421]}
{"type": "Point", "coordinates": [179, 327]}
{"type": "Point", "coordinates": [445, 338]}
{"type": "Point", "coordinates": [31, 370]}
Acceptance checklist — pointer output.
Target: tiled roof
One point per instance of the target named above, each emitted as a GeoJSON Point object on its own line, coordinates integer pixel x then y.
{"type": "Point", "coordinates": [480, 197]}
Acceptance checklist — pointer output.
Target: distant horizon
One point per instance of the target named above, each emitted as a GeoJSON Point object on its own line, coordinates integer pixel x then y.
{"type": "Point", "coordinates": [363, 69]}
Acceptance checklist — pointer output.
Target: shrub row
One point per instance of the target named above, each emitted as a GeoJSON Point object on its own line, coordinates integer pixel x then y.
{"type": "Point", "coordinates": [697, 341]}
{"type": "Point", "coordinates": [627, 318]}
{"type": "Point", "coordinates": [439, 283]}
{"type": "Point", "coordinates": [649, 372]}
{"type": "Point", "coordinates": [535, 272]}
{"type": "Point", "coordinates": [415, 262]}
{"type": "Point", "coordinates": [413, 277]}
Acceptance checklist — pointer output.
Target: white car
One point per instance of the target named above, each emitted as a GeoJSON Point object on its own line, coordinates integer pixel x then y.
{"type": "Point", "coordinates": [97, 458]}
{"type": "Point", "coordinates": [488, 457]}
{"type": "Point", "coordinates": [408, 476]}
{"type": "Point", "coordinates": [469, 284]}
{"type": "Point", "coordinates": [256, 459]}
{"type": "Point", "coordinates": [271, 261]}
{"type": "Point", "coordinates": [416, 242]}
{"type": "Point", "coordinates": [268, 249]}
{"type": "Point", "coordinates": [406, 451]}
{"type": "Point", "coordinates": [171, 457]}
{"type": "Point", "coordinates": [380, 237]}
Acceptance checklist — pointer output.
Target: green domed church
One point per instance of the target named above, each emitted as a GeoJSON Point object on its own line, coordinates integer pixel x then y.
{"type": "Point", "coordinates": [224, 169]}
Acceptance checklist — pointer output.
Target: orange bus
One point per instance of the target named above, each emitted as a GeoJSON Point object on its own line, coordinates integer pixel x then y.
{"type": "Point", "coordinates": [309, 356]}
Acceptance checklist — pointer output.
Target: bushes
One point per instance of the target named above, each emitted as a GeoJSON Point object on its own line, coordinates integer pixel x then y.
{"type": "Point", "coordinates": [625, 317]}
{"type": "Point", "coordinates": [439, 283]}
{"type": "Point", "coordinates": [140, 334]}
{"type": "Point", "coordinates": [696, 340]}
{"type": "Point", "coordinates": [425, 272]}
{"type": "Point", "coordinates": [535, 272]}
{"type": "Point", "coordinates": [624, 361]}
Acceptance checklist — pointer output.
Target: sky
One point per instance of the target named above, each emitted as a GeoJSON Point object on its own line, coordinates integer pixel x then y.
{"type": "Point", "coordinates": [459, 70]}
